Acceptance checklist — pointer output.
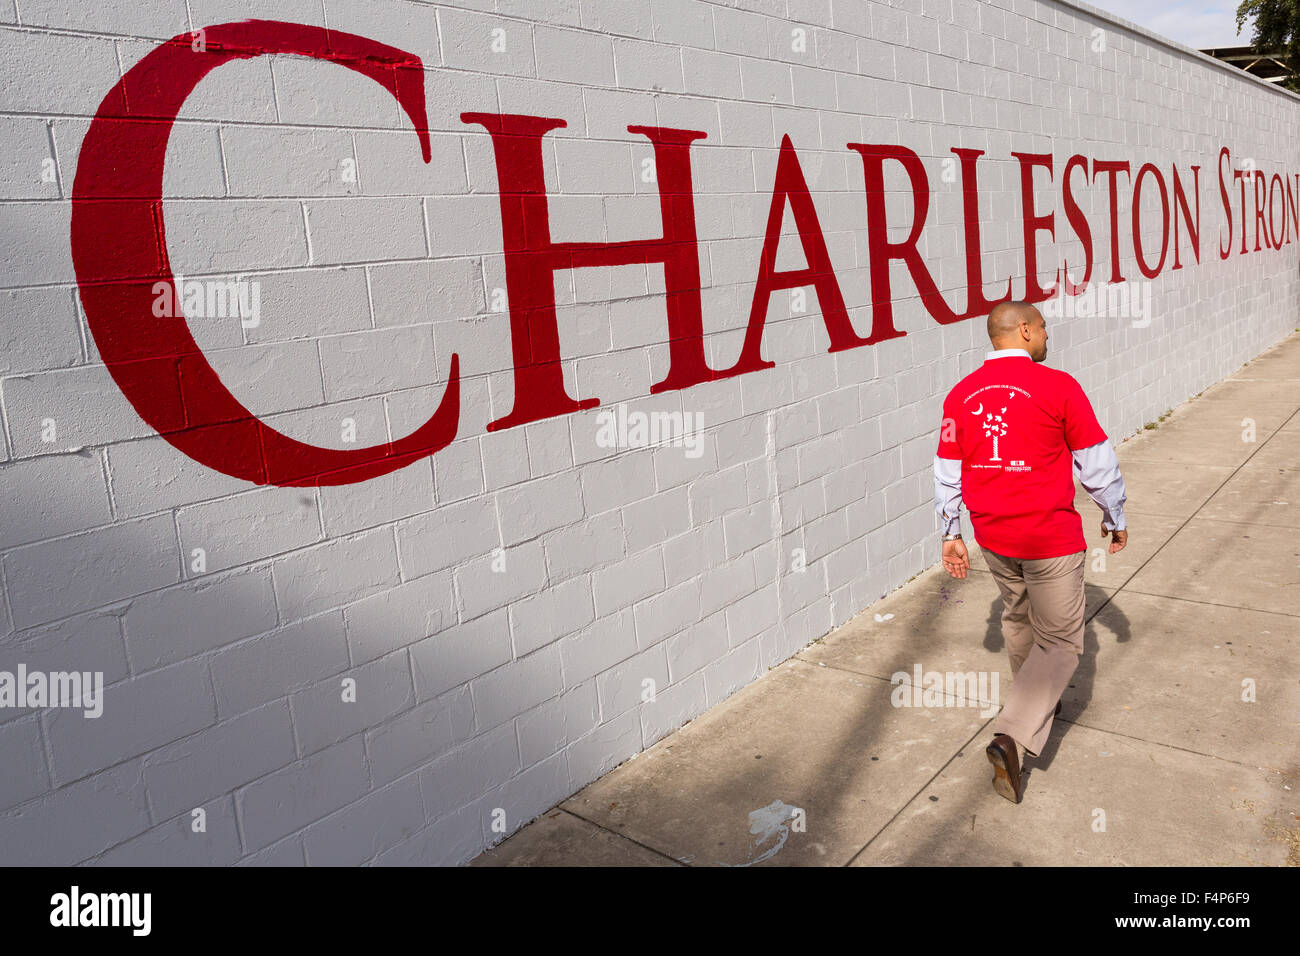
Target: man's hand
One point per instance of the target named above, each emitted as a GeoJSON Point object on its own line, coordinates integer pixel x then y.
{"type": "Point", "coordinates": [955, 559]}
{"type": "Point", "coordinates": [1118, 541]}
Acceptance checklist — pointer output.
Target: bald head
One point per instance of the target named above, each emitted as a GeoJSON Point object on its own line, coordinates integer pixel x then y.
{"type": "Point", "coordinates": [1005, 319]}
{"type": "Point", "coordinates": [1018, 325]}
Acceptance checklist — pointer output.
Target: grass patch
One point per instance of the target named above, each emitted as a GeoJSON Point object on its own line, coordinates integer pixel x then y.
{"type": "Point", "coordinates": [1150, 425]}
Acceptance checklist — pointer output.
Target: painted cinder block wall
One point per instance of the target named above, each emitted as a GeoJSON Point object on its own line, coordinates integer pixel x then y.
{"type": "Point", "coordinates": [480, 688]}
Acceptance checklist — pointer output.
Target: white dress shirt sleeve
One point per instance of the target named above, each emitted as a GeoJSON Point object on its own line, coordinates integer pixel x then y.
{"type": "Point", "coordinates": [947, 493]}
{"type": "Point", "coordinates": [1098, 471]}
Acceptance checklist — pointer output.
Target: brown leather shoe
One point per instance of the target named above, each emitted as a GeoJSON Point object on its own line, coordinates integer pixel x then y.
{"type": "Point", "coordinates": [1006, 767]}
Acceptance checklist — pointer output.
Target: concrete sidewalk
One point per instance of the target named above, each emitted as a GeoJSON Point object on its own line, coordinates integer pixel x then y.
{"type": "Point", "coordinates": [1155, 759]}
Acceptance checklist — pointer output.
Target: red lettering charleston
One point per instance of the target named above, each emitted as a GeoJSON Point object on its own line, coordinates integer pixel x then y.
{"type": "Point", "coordinates": [119, 252]}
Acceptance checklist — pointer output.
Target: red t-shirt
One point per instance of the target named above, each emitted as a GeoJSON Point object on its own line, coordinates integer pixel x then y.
{"type": "Point", "coordinates": [1013, 423]}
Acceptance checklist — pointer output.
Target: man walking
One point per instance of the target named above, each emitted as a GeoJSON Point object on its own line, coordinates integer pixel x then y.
{"type": "Point", "coordinates": [1010, 431]}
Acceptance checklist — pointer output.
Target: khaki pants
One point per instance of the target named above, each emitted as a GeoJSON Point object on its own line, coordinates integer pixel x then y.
{"type": "Point", "coordinates": [1042, 624]}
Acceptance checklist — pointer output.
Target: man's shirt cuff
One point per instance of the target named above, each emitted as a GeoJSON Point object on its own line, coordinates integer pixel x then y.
{"type": "Point", "coordinates": [947, 493]}
{"type": "Point", "coordinates": [1098, 471]}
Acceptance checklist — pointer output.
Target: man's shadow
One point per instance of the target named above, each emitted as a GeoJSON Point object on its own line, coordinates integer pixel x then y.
{"type": "Point", "coordinates": [1079, 691]}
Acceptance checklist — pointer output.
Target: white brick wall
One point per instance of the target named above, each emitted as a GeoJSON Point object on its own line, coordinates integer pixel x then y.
{"type": "Point", "coordinates": [503, 606]}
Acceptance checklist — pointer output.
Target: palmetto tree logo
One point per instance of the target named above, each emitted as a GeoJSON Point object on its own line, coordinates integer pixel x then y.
{"type": "Point", "coordinates": [995, 427]}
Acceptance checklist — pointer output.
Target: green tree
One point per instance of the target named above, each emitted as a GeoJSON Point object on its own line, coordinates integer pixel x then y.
{"type": "Point", "coordinates": [1276, 29]}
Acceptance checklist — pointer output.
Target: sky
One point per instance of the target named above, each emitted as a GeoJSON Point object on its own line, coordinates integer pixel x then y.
{"type": "Point", "coordinates": [1195, 23]}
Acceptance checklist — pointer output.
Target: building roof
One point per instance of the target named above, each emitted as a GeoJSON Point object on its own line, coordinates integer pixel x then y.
{"type": "Point", "coordinates": [1271, 66]}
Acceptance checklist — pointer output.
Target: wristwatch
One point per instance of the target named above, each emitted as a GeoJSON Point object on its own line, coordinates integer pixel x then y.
{"type": "Point", "coordinates": [952, 537]}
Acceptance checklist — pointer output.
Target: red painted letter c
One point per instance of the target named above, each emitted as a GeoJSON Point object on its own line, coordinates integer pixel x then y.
{"type": "Point", "coordinates": [119, 251]}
